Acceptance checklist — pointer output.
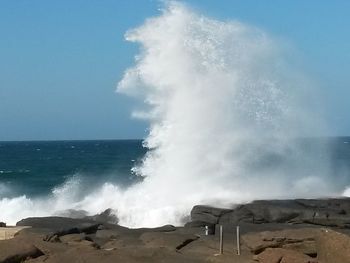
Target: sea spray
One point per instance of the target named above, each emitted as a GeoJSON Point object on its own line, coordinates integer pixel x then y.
{"type": "Point", "coordinates": [225, 109]}
{"type": "Point", "coordinates": [227, 112]}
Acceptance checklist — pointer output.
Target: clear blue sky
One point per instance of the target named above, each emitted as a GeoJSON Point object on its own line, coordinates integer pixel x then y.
{"type": "Point", "coordinates": [60, 60]}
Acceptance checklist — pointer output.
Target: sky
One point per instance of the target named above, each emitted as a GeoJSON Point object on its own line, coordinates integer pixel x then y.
{"type": "Point", "coordinates": [60, 61]}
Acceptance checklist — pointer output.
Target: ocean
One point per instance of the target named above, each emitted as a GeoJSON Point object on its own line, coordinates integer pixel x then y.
{"type": "Point", "coordinates": [226, 106]}
{"type": "Point", "coordinates": [40, 178]}
{"type": "Point", "coordinates": [35, 168]}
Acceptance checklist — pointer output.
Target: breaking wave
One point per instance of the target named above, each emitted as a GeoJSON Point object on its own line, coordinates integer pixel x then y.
{"type": "Point", "coordinates": [226, 110]}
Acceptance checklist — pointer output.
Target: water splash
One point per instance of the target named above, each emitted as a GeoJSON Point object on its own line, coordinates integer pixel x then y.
{"type": "Point", "coordinates": [226, 112]}
{"type": "Point", "coordinates": [225, 109]}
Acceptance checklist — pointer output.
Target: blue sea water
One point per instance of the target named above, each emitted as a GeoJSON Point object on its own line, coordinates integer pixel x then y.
{"type": "Point", "coordinates": [35, 168]}
{"type": "Point", "coordinates": [51, 177]}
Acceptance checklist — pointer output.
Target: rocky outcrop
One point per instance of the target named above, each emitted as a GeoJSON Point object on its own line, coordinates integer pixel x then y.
{"type": "Point", "coordinates": [301, 240]}
{"type": "Point", "coordinates": [108, 243]}
{"type": "Point", "coordinates": [55, 223]}
{"type": "Point", "coordinates": [206, 216]}
{"type": "Point", "coordinates": [299, 245]}
{"type": "Point", "coordinates": [60, 226]}
{"type": "Point", "coordinates": [323, 212]}
{"type": "Point", "coordinates": [287, 231]}
{"type": "Point", "coordinates": [108, 216]}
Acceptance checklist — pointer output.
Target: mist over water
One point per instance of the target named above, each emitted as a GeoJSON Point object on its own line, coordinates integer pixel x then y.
{"type": "Point", "coordinates": [227, 113]}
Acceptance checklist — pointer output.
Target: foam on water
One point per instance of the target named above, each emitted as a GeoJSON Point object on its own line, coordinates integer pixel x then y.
{"type": "Point", "coordinates": [225, 107]}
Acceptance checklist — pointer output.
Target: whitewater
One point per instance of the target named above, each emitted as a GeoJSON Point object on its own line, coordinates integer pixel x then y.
{"type": "Point", "coordinates": [226, 108]}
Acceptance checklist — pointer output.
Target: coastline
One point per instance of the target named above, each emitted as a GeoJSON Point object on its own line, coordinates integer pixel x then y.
{"type": "Point", "coordinates": [300, 230]}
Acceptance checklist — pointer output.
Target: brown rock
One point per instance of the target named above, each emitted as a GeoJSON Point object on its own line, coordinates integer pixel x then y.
{"type": "Point", "coordinates": [280, 255]}
{"type": "Point", "coordinates": [15, 251]}
{"type": "Point", "coordinates": [258, 242]}
{"type": "Point", "coordinates": [306, 247]}
{"type": "Point", "coordinates": [333, 247]}
{"type": "Point", "coordinates": [73, 238]}
{"type": "Point", "coordinates": [171, 240]}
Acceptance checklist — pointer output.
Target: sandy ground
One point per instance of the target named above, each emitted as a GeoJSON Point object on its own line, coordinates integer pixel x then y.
{"type": "Point", "coordinates": [9, 232]}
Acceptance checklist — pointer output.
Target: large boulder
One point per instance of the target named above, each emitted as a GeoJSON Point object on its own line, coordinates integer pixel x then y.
{"type": "Point", "coordinates": [202, 215]}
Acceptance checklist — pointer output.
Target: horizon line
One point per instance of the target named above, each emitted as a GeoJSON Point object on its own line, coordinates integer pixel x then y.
{"type": "Point", "coordinates": [135, 139]}
{"type": "Point", "coordinates": [70, 140]}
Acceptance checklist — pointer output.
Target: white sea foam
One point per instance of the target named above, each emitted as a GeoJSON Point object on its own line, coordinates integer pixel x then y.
{"type": "Point", "coordinates": [224, 106]}
{"type": "Point", "coordinates": [346, 193]}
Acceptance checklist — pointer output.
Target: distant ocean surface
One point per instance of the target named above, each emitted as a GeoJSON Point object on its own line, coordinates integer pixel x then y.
{"type": "Point", "coordinates": [54, 177]}
{"type": "Point", "coordinates": [36, 168]}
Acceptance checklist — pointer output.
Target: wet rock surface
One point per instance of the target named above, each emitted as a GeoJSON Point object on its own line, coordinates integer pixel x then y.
{"type": "Point", "coordinates": [324, 212]}
{"type": "Point", "coordinates": [271, 231]}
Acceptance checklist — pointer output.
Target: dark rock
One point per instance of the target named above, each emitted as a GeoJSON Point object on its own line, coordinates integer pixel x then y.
{"type": "Point", "coordinates": [240, 213]}
{"type": "Point", "coordinates": [54, 237]}
{"type": "Point", "coordinates": [274, 211]}
{"type": "Point", "coordinates": [56, 223]}
{"type": "Point", "coordinates": [165, 228]}
{"type": "Point", "coordinates": [72, 213]}
{"type": "Point", "coordinates": [107, 216]}
{"type": "Point", "coordinates": [207, 214]}
{"type": "Point", "coordinates": [325, 212]}
{"type": "Point", "coordinates": [197, 224]}
{"type": "Point", "coordinates": [60, 226]}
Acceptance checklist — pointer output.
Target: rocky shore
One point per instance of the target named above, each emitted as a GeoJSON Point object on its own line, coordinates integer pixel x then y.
{"type": "Point", "coordinates": [272, 231]}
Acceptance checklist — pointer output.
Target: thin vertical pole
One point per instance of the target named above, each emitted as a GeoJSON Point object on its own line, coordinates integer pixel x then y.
{"type": "Point", "coordinates": [238, 241]}
{"type": "Point", "coordinates": [221, 241]}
